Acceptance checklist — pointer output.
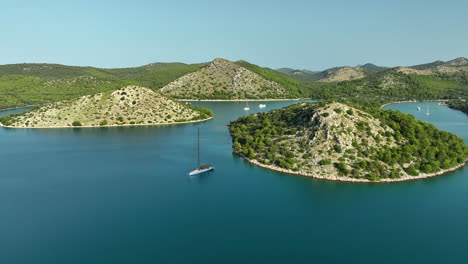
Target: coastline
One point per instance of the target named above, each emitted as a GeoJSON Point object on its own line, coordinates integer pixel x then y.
{"type": "Point", "coordinates": [412, 101]}
{"type": "Point", "coordinates": [241, 100]}
{"type": "Point", "coordinates": [125, 125]}
{"type": "Point", "coordinates": [347, 179]}
{"type": "Point", "coordinates": [18, 107]}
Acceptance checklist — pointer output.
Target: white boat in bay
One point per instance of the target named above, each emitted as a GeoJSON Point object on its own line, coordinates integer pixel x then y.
{"type": "Point", "coordinates": [201, 168]}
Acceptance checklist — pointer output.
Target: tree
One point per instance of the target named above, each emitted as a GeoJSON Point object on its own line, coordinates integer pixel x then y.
{"type": "Point", "coordinates": [76, 123]}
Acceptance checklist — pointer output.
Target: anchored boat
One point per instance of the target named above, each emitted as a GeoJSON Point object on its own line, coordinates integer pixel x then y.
{"type": "Point", "coordinates": [201, 168]}
{"type": "Point", "coordinates": [246, 108]}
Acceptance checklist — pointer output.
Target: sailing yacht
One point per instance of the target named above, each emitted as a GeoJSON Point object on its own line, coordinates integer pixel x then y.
{"type": "Point", "coordinates": [246, 108]}
{"type": "Point", "coordinates": [427, 112]}
{"type": "Point", "coordinates": [262, 105]}
{"type": "Point", "coordinates": [201, 168]}
{"type": "Point", "coordinates": [419, 108]}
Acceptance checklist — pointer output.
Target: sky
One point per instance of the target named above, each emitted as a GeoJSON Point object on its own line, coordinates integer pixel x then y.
{"type": "Point", "coordinates": [300, 34]}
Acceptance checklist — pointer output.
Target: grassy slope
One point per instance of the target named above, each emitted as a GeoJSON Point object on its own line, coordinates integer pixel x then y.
{"type": "Point", "coordinates": [294, 87]}
{"type": "Point", "coordinates": [25, 84]}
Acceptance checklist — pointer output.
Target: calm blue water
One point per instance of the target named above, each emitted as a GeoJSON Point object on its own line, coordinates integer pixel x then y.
{"type": "Point", "coordinates": [121, 195]}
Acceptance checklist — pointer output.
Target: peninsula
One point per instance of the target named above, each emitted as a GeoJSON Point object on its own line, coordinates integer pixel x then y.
{"type": "Point", "coordinates": [334, 141]}
{"type": "Point", "coordinates": [128, 106]}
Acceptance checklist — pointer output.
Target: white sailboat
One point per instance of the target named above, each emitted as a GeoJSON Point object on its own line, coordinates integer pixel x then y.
{"type": "Point", "coordinates": [200, 168]}
{"type": "Point", "coordinates": [419, 108]}
{"type": "Point", "coordinates": [246, 108]}
{"type": "Point", "coordinates": [262, 105]}
{"type": "Point", "coordinates": [427, 112]}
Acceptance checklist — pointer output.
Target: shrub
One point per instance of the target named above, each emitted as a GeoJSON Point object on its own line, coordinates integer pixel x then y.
{"type": "Point", "coordinates": [337, 148]}
{"type": "Point", "coordinates": [103, 123]}
{"type": "Point", "coordinates": [76, 123]}
{"type": "Point", "coordinates": [341, 167]}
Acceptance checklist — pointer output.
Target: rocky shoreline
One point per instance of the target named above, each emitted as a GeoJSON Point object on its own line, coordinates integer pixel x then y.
{"type": "Point", "coordinates": [411, 101]}
{"type": "Point", "coordinates": [125, 125]}
{"type": "Point", "coordinates": [348, 179]}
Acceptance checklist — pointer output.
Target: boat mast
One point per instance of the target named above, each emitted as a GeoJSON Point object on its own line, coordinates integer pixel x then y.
{"type": "Point", "coordinates": [198, 146]}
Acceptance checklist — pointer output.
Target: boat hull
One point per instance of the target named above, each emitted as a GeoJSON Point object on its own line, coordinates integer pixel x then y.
{"type": "Point", "coordinates": [200, 171]}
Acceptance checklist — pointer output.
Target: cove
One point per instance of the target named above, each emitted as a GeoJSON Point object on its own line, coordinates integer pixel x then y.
{"type": "Point", "coordinates": [122, 195]}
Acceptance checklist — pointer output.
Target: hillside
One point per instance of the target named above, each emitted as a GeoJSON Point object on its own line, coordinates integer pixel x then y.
{"type": "Point", "coordinates": [338, 142]}
{"type": "Point", "coordinates": [131, 105]}
{"type": "Point", "coordinates": [397, 84]}
{"type": "Point", "coordinates": [222, 79]}
{"type": "Point", "coordinates": [372, 67]}
{"type": "Point", "coordinates": [343, 74]}
{"type": "Point", "coordinates": [300, 75]}
{"type": "Point", "coordinates": [32, 84]}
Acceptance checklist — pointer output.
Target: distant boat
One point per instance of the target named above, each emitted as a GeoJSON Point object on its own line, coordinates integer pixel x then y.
{"type": "Point", "coordinates": [246, 108]}
{"type": "Point", "coordinates": [427, 112]}
{"type": "Point", "coordinates": [419, 108]}
{"type": "Point", "coordinates": [201, 168]}
{"type": "Point", "coordinates": [262, 105]}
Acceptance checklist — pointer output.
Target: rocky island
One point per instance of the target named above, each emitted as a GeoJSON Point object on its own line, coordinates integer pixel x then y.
{"type": "Point", "coordinates": [334, 141]}
{"type": "Point", "coordinates": [128, 106]}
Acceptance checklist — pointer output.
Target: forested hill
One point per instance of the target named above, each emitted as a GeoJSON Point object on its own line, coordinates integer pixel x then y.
{"type": "Point", "coordinates": [28, 84]}
{"type": "Point", "coordinates": [33, 84]}
{"type": "Point", "coordinates": [223, 79]}
{"type": "Point", "coordinates": [393, 85]}
{"type": "Point", "coordinates": [334, 141]}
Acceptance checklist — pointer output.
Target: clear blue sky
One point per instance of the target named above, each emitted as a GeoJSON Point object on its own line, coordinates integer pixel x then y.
{"type": "Point", "coordinates": [295, 33]}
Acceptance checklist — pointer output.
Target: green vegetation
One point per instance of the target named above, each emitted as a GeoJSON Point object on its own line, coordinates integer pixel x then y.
{"type": "Point", "coordinates": [402, 146]}
{"type": "Point", "coordinates": [76, 123]}
{"type": "Point", "coordinates": [459, 104]}
{"type": "Point", "coordinates": [33, 84]}
{"type": "Point", "coordinates": [388, 86]}
{"type": "Point", "coordinates": [294, 88]}
{"type": "Point", "coordinates": [205, 112]}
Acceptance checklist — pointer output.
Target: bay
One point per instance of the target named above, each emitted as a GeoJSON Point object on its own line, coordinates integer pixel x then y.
{"type": "Point", "coordinates": [122, 195]}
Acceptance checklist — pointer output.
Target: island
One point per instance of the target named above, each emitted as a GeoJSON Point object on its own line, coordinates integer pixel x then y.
{"type": "Point", "coordinates": [335, 141]}
{"type": "Point", "coordinates": [128, 106]}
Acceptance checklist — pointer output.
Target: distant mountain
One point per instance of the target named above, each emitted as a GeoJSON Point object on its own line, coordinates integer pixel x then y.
{"type": "Point", "coordinates": [426, 66]}
{"type": "Point", "coordinates": [457, 62]}
{"type": "Point", "coordinates": [341, 74]}
{"type": "Point", "coordinates": [456, 66]}
{"type": "Point", "coordinates": [396, 84]}
{"type": "Point", "coordinates": [130, 105]}
{"type": "Point", "coordinates": [33, 84]}
{"type": "Point", "coordinates": [223, 79]}
{"type": "Point", "coordinates": [300, 75]}
{"type": "Point", "coordinates": [436, 64]}
{"type": "Point", "coordinates": [372, 67]}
